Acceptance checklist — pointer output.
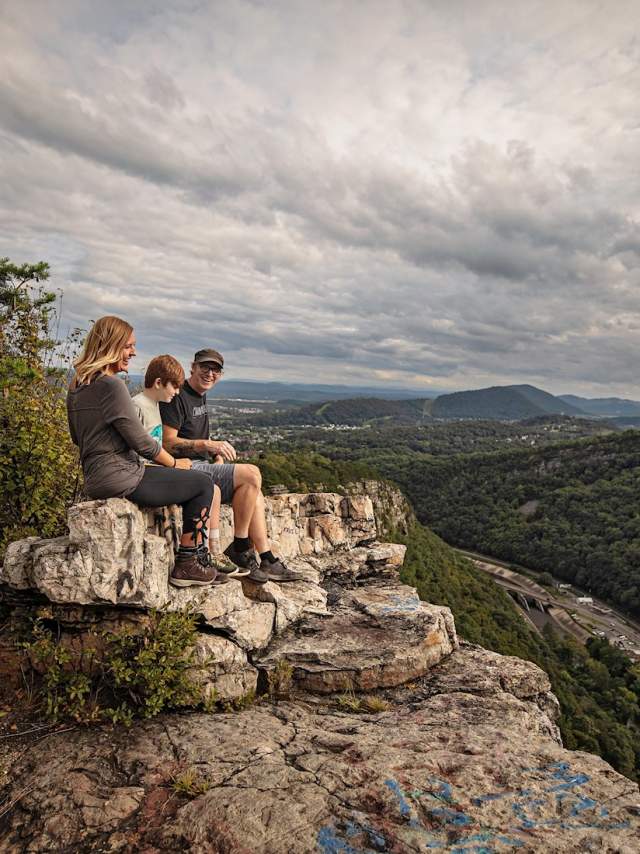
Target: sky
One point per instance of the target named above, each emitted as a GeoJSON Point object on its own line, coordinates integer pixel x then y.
{"type": "Point", "coordinates": [413, 193]}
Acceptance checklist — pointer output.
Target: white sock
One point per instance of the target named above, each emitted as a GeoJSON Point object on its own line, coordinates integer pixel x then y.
{"type": "Point", "coordinates": [214, 535]}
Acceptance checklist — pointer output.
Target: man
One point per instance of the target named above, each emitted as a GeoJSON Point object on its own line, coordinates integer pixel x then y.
{"type": "Point", "coordinates": [185, 433]}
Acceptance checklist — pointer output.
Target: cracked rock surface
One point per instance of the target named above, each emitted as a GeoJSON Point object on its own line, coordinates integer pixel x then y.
{"type": "Point", "coordinates": [442, 768]}
{"type": "Point", "coordinates": [373, 637]}
{"type": "Point", "coordinates": [463, 753]}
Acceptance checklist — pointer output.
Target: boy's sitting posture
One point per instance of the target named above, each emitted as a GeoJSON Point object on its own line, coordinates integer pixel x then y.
{"type": "Point", "coordinates": [162, 382]}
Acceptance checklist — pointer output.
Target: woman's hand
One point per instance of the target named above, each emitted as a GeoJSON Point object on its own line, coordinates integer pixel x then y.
{"type": "Point", "coordinates": [183, 463]}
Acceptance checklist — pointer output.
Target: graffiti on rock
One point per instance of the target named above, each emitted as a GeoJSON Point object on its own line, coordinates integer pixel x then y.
{"type": "Point", "coordinates": [434, 819]}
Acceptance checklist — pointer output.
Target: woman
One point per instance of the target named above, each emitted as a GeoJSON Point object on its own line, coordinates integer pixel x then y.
{"type": "Point", "coordinates": [111, 439]}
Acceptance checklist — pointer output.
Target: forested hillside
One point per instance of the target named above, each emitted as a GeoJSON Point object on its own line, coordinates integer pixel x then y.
{"type": "Point", "coordinates": [352, 412]}
{"type": "Point", "coordinates": [304, 472]}
{"type": "Point", "coordinates": [383, 443]}
{"type": "Point", "coordinates": [572, 509]}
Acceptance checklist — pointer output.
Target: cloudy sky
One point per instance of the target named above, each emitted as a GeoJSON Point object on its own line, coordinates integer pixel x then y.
{"type": "Point", "coordinates": [434, 194]}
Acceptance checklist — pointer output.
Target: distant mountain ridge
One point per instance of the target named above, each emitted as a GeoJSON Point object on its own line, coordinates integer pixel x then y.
{"type": "Point", "coordinates": [615, 407]}
{"type": "Point", "coordinates": [499, 403]}
{"type": "Point", "coordinates": [308, 392]}
{"type": "Point", "coordinates": [496, 403]}
{"type": "Point", "coordinates": [511, 403]}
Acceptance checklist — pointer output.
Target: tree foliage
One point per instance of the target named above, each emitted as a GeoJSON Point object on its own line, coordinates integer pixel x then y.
{"type": "Point", "coordinates": [307, 471]}
{"type": "Point", "coordinates": [571, 508]}
{"type": "Point", "coordinates": [38, 463]}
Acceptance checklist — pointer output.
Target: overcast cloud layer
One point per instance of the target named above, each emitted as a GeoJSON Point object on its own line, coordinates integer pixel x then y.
{"type": "Point", "coordinates": [425, 194]}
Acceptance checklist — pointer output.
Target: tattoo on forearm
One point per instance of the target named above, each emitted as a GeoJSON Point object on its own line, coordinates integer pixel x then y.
{"type": "Point", "coordinates": [183, 448]}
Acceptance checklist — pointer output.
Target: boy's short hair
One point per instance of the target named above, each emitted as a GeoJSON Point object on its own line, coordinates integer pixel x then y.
{"type": "Point", "coordinates": [166, 369]}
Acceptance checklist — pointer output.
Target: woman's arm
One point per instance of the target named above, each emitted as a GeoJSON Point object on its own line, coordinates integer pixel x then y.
{"type": "Point", "coordinates": [72, 429]}
{"type": "Point", "coordinates": [119, 412]}
{"type": "Point", "coordinates": [165, 459]}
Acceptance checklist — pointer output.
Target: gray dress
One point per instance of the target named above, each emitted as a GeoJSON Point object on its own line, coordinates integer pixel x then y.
{"type": "Point", "coordinates": [111, 439]}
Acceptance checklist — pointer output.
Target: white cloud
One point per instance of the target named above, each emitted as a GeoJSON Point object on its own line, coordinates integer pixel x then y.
{"type": "Point", "coordinates": [367, 191]}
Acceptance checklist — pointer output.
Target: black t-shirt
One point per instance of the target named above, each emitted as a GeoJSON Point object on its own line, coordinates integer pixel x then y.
{"type": "Point", "coordinates": [187, 412]}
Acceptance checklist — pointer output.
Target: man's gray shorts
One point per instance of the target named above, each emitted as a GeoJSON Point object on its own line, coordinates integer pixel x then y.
{"type": "Point", "coordinates": [221, 474]}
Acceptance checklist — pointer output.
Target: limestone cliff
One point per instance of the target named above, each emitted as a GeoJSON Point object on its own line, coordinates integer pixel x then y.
{"type": "Point", "coordinates": [391, 737]}
{"type": "Point", "coordinates": [392, 511]}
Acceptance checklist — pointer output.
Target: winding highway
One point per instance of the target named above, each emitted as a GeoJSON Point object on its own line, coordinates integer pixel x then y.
{"type": "Point", "coordinates": [540, 605]}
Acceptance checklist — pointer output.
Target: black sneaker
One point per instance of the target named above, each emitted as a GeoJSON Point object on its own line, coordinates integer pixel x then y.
{"type": "Point", "coordinates": [247, 560]}
{"type": "Point", "coordinates": [278, 571]}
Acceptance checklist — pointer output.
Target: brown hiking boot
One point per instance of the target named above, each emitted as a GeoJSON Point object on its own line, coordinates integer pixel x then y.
{"type": "Point", "coordinates": [190, 571]}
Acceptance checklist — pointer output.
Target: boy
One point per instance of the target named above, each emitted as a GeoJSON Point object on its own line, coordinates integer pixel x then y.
{"type": "Point", "coordinates": [162, 382]}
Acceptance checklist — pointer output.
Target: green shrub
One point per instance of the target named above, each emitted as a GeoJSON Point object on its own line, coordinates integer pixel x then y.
{"type": "Point", "coordinates": [39, 471]}
{"type": "Point", "coordinates": [190, 784]}
{"type": "Point", "coordinates": [150, 671]}
{"type": "Point", "coordinates": [125, 675]}
{"type": "Point", "coordinates": [64, 689]}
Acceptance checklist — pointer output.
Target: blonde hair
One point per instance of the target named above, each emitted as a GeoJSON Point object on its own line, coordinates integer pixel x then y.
{"type": "Point", "coordinates": [103, 346]}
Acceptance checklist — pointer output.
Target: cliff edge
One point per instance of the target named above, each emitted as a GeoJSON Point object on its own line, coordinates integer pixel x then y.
{"type": "Point", "coordinates": [380, 731]}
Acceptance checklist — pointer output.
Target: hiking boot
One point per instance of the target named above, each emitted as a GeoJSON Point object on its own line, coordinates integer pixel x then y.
{"type": "Point", "coordinates": [278, 571]}
{"type": "Point", "coordinates": [227, 567]}
{"type": "Point", "coordinates": [207, 559]}
{"type": "Point", "coordinates": [189, 571]}
{"type": "Point", "coordinates": [247, 560]}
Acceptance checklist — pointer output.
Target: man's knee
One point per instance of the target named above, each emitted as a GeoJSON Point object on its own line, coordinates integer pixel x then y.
{"type": "Point", "coordinates": [247, 473]}
{"type": "Point", "coordinates": [255, 476]}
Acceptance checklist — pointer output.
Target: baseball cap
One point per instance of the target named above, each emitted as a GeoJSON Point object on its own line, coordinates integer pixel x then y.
{"type": "Point", "coordinates": [209, 356]}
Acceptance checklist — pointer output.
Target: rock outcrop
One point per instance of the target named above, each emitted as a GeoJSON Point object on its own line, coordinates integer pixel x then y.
{"type": "Point", "coordinates": [114, 554]}
{"type": "Point", "coordinates": [447, 766]}
{"type": "Point", "coordinates": [391, 509]}
{"type": "Point", "coordinates": [114, 564]}
{"type": "Point", "coordinates": [374, 729]}
{"type": "Point", "coordinates": [374, 637]}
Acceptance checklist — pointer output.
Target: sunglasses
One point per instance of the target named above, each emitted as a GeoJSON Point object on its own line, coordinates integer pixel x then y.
{"type": "Point", "coordinates": [214, 369]}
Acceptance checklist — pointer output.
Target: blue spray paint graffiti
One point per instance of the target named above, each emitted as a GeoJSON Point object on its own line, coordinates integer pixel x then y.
{"type": "Point", "coordinates": [569, 803]}
{"type": "Point", "coordinates": [445, 826]}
